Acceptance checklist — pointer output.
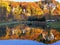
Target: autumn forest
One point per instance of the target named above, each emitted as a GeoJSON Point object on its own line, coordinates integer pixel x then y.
{"type": "Point", "coordinates": [43, 16]}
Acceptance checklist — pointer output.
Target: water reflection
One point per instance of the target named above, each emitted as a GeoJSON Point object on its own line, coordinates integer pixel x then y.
{"type": "Point", "coordinates": [31, 33]}
{"type": "Point", "coordinates": [24, 42]}
{"type": "Point", "coordinates": [56, 43]}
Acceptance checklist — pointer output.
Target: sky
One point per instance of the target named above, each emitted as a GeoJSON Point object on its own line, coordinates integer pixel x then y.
{"type": "Point", "coordinates": [28, 0]}
{"type": "Point", "coordinates": [58, 0]}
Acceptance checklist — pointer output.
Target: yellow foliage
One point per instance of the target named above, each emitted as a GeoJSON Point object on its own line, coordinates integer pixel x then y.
{"type": "Point", "coordinates": [8, 9]}
{"type": "Point", "coordinates": [57, 10]}
{"type": "Point", "coordinates": [17, 10]}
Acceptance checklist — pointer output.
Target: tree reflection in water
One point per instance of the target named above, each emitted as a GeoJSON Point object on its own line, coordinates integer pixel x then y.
{"type": "Point", "coordinates": [30, 33]}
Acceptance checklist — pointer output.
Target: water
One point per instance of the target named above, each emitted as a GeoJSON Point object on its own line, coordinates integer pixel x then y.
{"type": "Point", "coordinates": [24, 42]}
{"type": "Point", "coordinates": [21, 42]}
